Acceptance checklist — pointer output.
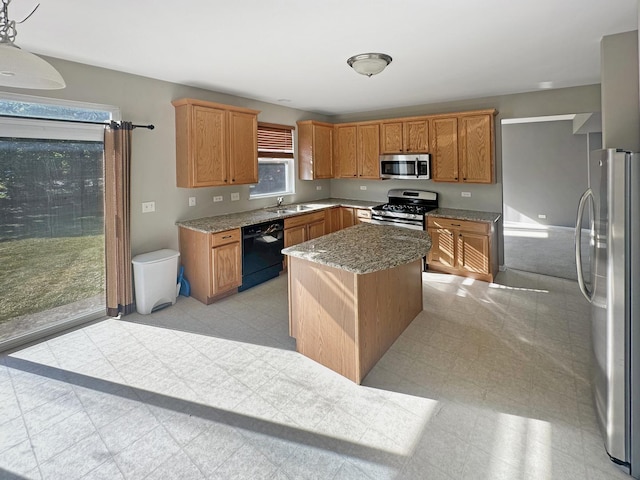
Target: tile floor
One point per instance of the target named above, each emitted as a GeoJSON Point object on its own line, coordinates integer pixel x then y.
{"type": "Point", "coordinates": [489, 382]}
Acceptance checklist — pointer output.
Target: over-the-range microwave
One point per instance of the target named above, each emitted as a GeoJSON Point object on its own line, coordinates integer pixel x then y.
{"type": "Point", "coordinates": [407, 167]}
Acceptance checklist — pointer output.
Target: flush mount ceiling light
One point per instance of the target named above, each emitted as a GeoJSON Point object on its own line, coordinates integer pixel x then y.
{"type": "Point", "coordinates": [19, 68]}
{"type": "Point", "coordinates": [369, 63]}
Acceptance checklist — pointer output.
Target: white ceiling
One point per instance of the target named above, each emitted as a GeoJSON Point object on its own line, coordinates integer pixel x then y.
{"type": "Point", "coordinates": [294, 52]}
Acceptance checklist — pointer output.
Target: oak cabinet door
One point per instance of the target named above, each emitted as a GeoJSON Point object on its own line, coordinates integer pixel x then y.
{"type": "Point", "coordinates": [444, 149]}
{"type": "Point", "coordinates": [442, 247]}
{"type": "Point", "coordinates": [295, 235]}
{"type": "Point", "coordinates": [208, 143]}
{"type": "Point", "coordinates": [473, 252]}
{"type": "Point", "coordinates": [315, 230]}
{"type": "Point", "coordinates": [323, 151]}
{"type": "Point", "coordinates": [476, 154]}
{"type": "Point", "coordinates": [391, 138]}
{"type": "Point", "coordinates": [243, 148]}
{"type": "Point", "coordinates": [226, 267]}
{"type": "Point", "coordinates": [416, 136]}
{"type": "Point", "coordinates": [315, 150]}
{"type": "Point", "coordinates": [348, 217]}
{"type": "Point", "coordinates": [369, 151]}
{"type": "Point", "coordinates": [346, 151]}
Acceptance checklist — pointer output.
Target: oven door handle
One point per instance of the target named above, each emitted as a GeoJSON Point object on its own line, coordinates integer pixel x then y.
{"type": "Point", "coordinates": [417, 168]}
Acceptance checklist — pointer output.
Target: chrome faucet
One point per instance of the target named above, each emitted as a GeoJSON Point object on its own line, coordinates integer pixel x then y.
{"type": "Point", "coordinates": [280, 199]}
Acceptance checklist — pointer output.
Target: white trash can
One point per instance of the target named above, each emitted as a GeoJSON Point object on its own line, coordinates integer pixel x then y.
{"type": "Point", "coordinates": [155, 275]}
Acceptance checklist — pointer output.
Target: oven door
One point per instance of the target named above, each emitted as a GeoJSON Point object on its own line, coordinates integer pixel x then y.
{"type": "Point", "coordinates": [397, 222]}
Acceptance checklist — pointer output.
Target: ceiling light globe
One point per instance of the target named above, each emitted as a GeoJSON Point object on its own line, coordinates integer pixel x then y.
{"type": "Point", "coordinates": [369, 63]}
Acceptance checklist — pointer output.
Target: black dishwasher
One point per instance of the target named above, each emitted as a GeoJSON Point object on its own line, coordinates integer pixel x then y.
{"type": "Point", "coordinates": [262, 257]}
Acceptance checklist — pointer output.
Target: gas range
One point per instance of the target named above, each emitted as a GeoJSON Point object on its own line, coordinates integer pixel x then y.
{"type": "Point", "coordinates": [406, 208]}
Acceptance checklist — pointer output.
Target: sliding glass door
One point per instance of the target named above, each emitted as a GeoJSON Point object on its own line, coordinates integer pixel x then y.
{"type": "Point", "coordinates": [51, 225]}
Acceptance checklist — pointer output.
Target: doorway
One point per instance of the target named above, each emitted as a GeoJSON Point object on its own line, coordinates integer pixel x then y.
{"type": "Point", "coordinates": [544, 173]}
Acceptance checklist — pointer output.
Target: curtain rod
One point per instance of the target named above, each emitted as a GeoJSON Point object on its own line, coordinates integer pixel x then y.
{"type": "Point", "coordinates": [88, 122]}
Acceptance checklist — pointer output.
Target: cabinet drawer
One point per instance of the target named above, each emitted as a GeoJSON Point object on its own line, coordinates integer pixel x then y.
{"type": "Point", "coordinates": [462, 225]}
{"type": "Point", "coordinates": [363, 214]}
{"type": "Point", "coordinates": [222, 238]}
{"type": "Point", "coordinates": [303, 219]}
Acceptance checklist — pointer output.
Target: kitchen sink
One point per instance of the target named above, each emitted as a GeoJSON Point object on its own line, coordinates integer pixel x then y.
{"type": "Point", "coordinates": [291, 209]}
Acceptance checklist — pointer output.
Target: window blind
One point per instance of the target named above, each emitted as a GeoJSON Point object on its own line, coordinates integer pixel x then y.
{"type": "Point", "coordinates": [275, 141]}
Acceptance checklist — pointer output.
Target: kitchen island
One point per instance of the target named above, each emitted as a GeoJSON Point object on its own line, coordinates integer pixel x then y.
{"type": "Point", "coordinates": [353, 292]}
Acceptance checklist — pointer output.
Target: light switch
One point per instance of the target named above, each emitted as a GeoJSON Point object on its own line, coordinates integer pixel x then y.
{"type": "Point", "coordinates": [192, 201]}
{"type": "Point", "coordinates": [318, 187]}
{"type": "Point", "coordinates": [466, 194]}
{"type": "Point", "coordinates": [218, 198]}
{"type": "Point", "coordinates": [235, 196]}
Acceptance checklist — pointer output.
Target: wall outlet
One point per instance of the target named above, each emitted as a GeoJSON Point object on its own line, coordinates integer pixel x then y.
{"type": "Point", "coordinates": [466, 194]}
{"type": "Point", "coordinates": [192, 201]}
{"type": "Point", "coordinates": [318, 187]}
{"type": "Point", "coordinates": [363, 187]}
{"type": "Point", "coordinates": [542, 216]}
{"type": "Point", "coordinates": [217, 198]}
{"type": "Point", "coordinates": [235, 196]}
{"type": "Point", "coordinates": [148, 207]}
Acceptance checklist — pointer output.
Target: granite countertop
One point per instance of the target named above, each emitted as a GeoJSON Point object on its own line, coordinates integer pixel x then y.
{"type": "Point", "coordinates": [472, 215]}
{"type": "Point", "coordinates": [364, 248]}
{"type": "Point", "coordinates": [220, 223]}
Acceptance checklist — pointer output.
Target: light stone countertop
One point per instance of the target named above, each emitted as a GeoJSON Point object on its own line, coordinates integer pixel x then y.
{"type": "Point", "coordinates": [364, 248]}
{"type": "Point", "coordinates": [458, 214]}
{"type": "Point", "coordinates": [230, 221]}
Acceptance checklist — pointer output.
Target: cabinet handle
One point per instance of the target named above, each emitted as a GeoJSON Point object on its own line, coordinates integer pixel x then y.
{"type": "Point", "coordinates": [225, 180]}
{"type": "Point", "coordinates": [233, 180]}
{"type": "Point", "coordinates": [456, 178]}
{"type": "Point", "coordinates": [464, 179]}
{"type": "Point", "coordinates": [455, 224]}
{"type": "Point", "coordinates": [227, 236]}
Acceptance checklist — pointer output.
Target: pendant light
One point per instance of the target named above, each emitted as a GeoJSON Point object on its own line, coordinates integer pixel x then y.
{"type": "Point", "coordinates": [369, 63]}
{"type": "Point", "coordinates": [19, 68]}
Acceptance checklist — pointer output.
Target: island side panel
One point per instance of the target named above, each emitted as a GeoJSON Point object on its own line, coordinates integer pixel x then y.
{"type": "Point", "coordinates": [322, 315]}
{"type": "Point", "coordinates": [388, 301]}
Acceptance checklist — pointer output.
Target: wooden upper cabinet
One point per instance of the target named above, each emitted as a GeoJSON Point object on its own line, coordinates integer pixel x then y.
{"type": "Point", "coordinates": [444, 149]}
{"type": "Point", "coordinates": [476, 148]}
{"type": "Point", "coordinates": [408, 136]}
{"type": "Point", "coordinates": [462, 147]}
{"type": "Point", "coordinates": [215, 144]}
{"type": "Point", "coordinates": [346, 162]}
{"type": "Point", "coordinates": [416, 136]}
{"type": "Point", "coordinates": [315, 150]}
{"type": "Point", "coordinates": [369, 151]}
{"type": "Point", "coordinates": [391, 140]}
{"type": "Point", "coordinates": [243, 148]}
{"type": "Point", "coordinates": [357, 150]}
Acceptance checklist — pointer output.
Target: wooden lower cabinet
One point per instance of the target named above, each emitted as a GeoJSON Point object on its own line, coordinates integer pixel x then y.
{"type": "Point", "coordinates": [304, 227]}
{"type": "Point", "coordinates": [347, 217]}
{"type": "Point", "coordinates": [212, 262]}
{"type": "Point", "coordinates": [333, 219]}
{"type": "Point", "coordinates": [226, 268]}
{"type": "Point", "coordinates": [463, 247]}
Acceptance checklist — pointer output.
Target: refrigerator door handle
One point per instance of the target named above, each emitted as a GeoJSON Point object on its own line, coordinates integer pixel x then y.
{"type": "Point", "coordinates": [588, 194]}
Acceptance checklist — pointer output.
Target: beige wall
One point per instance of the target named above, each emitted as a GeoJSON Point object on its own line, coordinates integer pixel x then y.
{"type": "Point", "coordinates": [619, 73]}
{"type": "Point", "coordinates": [143, 100]}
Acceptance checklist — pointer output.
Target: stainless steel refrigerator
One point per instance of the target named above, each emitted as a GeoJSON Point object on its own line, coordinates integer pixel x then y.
{"type": "Point", "coordinates": [613, 289]}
